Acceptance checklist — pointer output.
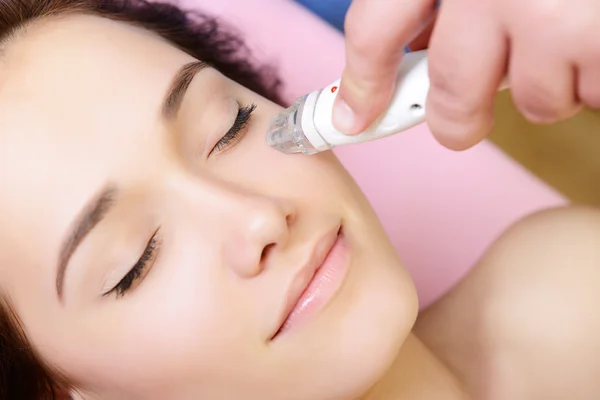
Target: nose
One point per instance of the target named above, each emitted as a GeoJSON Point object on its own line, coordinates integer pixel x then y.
{"type": "Point", "coordinates": [245, 228]}
{"type": "Point", "coordinates": [261, 226]}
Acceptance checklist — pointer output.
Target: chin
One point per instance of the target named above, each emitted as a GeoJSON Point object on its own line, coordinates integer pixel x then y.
{"type": "Point", "coordinates": [362, 334]}
{"type": "Point", "coordinates": [352, 342]}
{"type": "Point", "coordinates": [384, 315]}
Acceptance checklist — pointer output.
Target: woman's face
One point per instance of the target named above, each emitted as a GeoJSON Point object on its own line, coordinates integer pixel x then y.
{"type": "Point", "coordinates": [151, 254]}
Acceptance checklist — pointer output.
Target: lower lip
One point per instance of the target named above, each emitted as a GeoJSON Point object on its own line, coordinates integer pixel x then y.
{"type": "Point", "coordinates": [323, 286]}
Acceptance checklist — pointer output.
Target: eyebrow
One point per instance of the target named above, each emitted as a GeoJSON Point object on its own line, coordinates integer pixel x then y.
{"type": "Point", "coordinates": [179, 86]}
{"type": "Point", "coordinates": [89, 217]}
{"type": "Point", "coordinates": [100, 205]}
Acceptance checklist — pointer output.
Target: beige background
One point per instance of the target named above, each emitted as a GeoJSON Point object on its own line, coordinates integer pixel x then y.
{"type": "Point", "coordinates": [566, 155]}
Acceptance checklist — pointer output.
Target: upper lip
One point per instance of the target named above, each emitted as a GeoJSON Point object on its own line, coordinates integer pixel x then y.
{"type": "Point", "coordinates": [304, 275]}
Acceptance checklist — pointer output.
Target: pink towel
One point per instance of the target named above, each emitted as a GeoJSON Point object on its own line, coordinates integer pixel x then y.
{"type": "Point", "coordinates": [441, 209]}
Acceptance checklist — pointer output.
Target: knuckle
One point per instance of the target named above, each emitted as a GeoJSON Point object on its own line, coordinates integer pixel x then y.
{"type": "Point", "coordinates": [539, 103]}
{"type": "Point", "coordinates": [446, 78]}
{"type": "Point", "coordinates": [371, 40]}
{"type": "Point", "coordinates": [360, 39]}
{"type": "Point", "coordinates": [456, 131]}
{"type": "Point", "coordinates": [591, 100]}
{"type": "Point", "coordinates": [452, 98]}
{"type": "Point", "coordinates": [368, 80]}
{"type": "Point", "coordinates": [546, 11]}
{"type": "Point", "coordinates": [538, 115]}
{"type": "Point", "coordinates": [365, 94]}
{"type": "Point", "coordinates": [589, 94]}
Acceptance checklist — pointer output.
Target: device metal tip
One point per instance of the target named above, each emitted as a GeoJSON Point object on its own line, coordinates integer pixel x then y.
{"type": "Point", "coordinates": [285, 131]}
{"type": "Point", "coordinates": [281, 135]}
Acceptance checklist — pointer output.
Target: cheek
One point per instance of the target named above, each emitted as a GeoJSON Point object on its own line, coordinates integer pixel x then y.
{"type": "Point", "coordinates": [187, 312]}
{"type": "Point", "coordinates": [254, 164]}
{"type": "Point", "coordinates": [261, 169]}
{"type": "Point", "coordinates": [179, 321]}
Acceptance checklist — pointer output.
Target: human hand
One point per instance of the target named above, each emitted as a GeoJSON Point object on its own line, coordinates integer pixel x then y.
{"type": "Point", "coordinates": [550, 51]}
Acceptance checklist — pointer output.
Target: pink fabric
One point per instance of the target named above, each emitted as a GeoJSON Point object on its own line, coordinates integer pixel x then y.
{"type": "Point", "coordinates": [441, 209]}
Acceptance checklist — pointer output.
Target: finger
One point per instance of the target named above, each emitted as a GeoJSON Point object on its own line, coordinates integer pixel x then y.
{"type": "Point", "coordinates": [421, 42]}
{"type": "Point", "coordinates": [588, 85]}
{"type": "Point", "coordinates": [543, 84]}
{"type": "Point", "coordinates": [587, 53]}
{"type": "Point", "coordinates": [376, 33]}
{"type": "Point", "coordinates": [467, 60]}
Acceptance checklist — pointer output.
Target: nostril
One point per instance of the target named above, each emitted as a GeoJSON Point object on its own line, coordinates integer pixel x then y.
{"type": "Point", "coordinates": [265, 251]}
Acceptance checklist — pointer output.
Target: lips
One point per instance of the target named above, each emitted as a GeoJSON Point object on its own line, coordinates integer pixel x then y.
{"type": "Point", "coordinates": [316, 282]}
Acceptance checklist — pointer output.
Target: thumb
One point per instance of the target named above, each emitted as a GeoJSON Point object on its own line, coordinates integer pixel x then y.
{"type": "Point", "coordinates": [376, 33]}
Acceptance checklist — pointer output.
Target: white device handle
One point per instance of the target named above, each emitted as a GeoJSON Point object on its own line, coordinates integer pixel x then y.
{"type": "Point", "coordinates": [406, 109]}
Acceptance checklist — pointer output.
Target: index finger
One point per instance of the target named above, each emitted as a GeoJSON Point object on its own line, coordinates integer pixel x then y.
{"type": "Point", "coordinates": [376, 33]}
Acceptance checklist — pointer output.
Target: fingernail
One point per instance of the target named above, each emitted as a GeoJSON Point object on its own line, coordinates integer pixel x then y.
{"type": "Point", "coordinates": [344, 118]}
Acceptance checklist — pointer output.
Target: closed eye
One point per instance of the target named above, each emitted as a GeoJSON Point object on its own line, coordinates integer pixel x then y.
{"type": "Point", "coordinates": [236, 132]}
{"type": "Point", "coordinates": [140, 269]}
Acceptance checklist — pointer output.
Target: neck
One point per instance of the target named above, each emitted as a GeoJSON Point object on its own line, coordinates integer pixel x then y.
{"type": "Point", "coordinates": [416, 374]}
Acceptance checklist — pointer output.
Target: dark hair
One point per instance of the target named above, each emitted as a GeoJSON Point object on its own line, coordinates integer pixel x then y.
{"type": "Point", "coordinates": [23, 375]}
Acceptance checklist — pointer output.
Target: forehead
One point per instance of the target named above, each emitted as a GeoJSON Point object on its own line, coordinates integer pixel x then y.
{"type": "Point", "coordinates": [76, 95]}
{"type": "Point", "coordinates": [70, 76]}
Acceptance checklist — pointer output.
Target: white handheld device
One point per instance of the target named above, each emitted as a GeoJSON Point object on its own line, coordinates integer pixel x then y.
{"type": "Point", "coordinates": [307, 127]}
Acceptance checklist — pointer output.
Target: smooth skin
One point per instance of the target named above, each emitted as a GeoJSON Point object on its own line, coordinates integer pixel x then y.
{"type": "Point", "coordinates": [235, 226]}
{"type": "Point", "coordinates": [549, 49]}
{"type": "Point", "coordinates": [80, 110]}
{"type": "Point", "coordinates": [524, 323]}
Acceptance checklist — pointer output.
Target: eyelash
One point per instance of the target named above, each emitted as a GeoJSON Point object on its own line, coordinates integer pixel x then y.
{"type": "Point", "coordinates": [229, 140]}
{"type": "Point", "coordinates": [233, 136]}
{"type": "Point", "coordinates": [137, 272]}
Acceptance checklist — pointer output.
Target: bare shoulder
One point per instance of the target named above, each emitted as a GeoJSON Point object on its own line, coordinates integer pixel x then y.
{"type": "Point", "coordinates": [525, 323]}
